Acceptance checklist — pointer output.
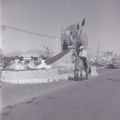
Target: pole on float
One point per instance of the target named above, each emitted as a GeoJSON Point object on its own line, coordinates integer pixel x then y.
{"type": "Point", "coordinates": [77, 47]}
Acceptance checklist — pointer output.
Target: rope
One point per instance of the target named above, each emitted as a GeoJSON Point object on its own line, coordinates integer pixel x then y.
{"type": "Point", "coordinates": [29, 32]}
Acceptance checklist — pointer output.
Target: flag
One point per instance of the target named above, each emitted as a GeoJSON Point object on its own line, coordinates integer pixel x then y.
{"type": "Point", "coordinates": [83, 22]}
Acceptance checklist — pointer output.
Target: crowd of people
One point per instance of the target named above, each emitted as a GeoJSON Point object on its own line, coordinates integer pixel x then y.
{"type": "Point", "coordinates": [21, 63]}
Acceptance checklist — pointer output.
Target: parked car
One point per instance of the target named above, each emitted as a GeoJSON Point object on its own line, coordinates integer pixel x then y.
{"type": "Point", "coordinates": [113, 65]}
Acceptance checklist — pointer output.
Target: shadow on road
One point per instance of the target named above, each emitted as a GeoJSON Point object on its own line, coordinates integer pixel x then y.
{"type": "Point", "coordinates": [114, 80]}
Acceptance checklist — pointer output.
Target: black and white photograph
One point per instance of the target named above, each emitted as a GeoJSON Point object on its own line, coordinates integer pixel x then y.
{"type": "Point", "coordinates": [59, 59]}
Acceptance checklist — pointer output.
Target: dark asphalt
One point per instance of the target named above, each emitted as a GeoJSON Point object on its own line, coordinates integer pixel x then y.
{"type": "Point", "coordinates": [95, 99]}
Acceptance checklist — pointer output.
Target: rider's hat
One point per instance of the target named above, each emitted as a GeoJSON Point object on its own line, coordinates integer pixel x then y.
{"type": "Point", "coordinates": [81, 47]}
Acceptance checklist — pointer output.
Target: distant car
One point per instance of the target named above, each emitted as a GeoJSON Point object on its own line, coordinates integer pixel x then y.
{"type": "Point", "coordinates": [113, 65]}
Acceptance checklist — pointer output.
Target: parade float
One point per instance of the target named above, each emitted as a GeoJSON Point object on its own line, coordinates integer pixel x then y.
{"type": "Point", "coordinates": [55, 68]}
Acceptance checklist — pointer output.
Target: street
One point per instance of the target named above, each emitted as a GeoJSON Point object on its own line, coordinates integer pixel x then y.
{"type": "Point", "coordinates": [97, 98]}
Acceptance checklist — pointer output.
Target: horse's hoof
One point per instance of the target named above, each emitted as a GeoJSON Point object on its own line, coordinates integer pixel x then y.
{"type": "Point", "coordinates": [75, 79]}
{"type": "Point", "coordinates": [81, 79]}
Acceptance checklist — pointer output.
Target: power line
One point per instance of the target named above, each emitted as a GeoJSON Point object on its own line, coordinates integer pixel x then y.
{"type": "Point", "coordinates": [29, 32]}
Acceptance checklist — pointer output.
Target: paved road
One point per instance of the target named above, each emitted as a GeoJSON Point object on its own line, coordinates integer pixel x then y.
{"type": "Point", "coordinates": [95, 99]}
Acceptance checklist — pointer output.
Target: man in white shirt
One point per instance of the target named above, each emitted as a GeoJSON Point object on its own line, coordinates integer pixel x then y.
{"type": "Point", "coordinates": [83, 55]}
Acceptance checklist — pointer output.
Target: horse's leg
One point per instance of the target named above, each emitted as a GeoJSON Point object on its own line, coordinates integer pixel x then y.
{"type": "Point", "coordinates": [89, 69]}
{"type": "Point", "coordinates": [86, 72]}
{"type": "Point", "coordinates": [81, 77]}
{"type": "Point", "coordinates": [76, 74]}
{"type": "Point", "coordinates": [86, 75]}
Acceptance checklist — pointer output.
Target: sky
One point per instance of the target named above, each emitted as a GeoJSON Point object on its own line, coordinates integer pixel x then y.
{"type": "Point", "coordinates": [51, 16]}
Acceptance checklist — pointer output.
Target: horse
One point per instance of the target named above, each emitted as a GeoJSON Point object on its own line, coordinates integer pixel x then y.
{"type": "Point", "coordinates": [80, 67]}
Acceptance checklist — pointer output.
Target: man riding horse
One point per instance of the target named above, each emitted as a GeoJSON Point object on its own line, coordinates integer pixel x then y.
{"type": "Point", "coordinates": [81, 63]}
{"type": "Point", "coordinates": [79, 56]}
{"type": "Point", "coordinates": [83, 56]}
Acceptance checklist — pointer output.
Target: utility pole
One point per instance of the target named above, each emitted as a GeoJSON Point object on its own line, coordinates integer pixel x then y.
{"type": "Point", "coordinates": [1, 24]}
{"type": "Point", "coordinates": [62, 33]}
{"type": "Point", "coordinates": [98, 53]}
{"type": "Point", "coordinates": [1, 31]}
